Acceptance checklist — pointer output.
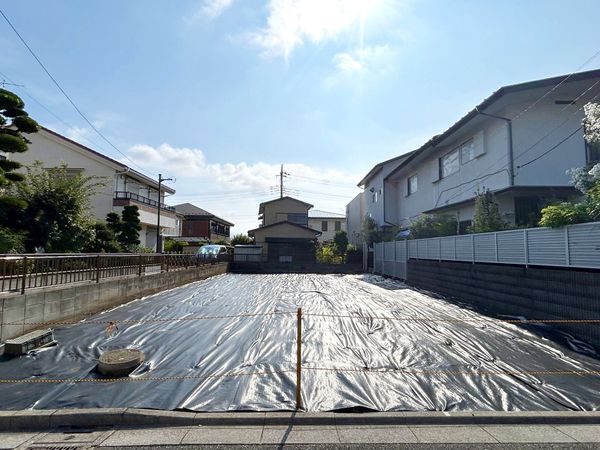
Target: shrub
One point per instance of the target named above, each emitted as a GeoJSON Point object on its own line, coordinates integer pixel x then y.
{"type": "Point", "coordinates": [564, 214]}
{"type": "Point", "coordinates": [433, 226]}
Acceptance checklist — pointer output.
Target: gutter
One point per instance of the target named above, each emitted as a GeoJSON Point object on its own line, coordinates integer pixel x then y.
{"type": "Point", "coordinates": [511, 157]}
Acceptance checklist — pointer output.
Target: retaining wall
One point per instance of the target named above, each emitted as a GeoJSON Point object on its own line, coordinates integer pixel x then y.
{"type": "Point", "coordinates": [75, 301]}
{"type": "Point", "coordinates": [534, 292]}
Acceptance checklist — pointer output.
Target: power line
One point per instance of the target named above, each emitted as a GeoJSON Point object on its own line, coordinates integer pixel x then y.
{"type": "Point", "coordinates": [527, 149]}
{"type": "Point", "coordinates": [67, 96]}
{"type": "Point", "coordinates": [551, 149]}
{"type": "Point", "coordinates": [49, 111]}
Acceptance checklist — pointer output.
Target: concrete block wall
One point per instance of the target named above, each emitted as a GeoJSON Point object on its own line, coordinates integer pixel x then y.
{"type": "Point", "coordinates": [73, 302]}
{"type": "Point", "coordinates": [534, 292]}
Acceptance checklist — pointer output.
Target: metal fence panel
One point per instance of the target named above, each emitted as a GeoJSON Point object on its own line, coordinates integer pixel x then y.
{"type": "Point", "coordinates": [485, 247]}
{"type": "Point", "coordinates": [572, 246]}
{"type": "Point", "coordinates": [547, 246]}
{"type": "Point", "coordinates": [447, 249]}
{"type": "Point", "coordinates": [511, 247]}
{"type": "Point", "coordinates": [584, 245]}
{"type": "Point", "coordinates": [413, 251]}
{"type": "Point", "coordinates": [464, 248]}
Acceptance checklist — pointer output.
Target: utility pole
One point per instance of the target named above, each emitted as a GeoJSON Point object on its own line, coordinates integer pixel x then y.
{"type": "Point", "coordinates": [282, 175]}
{"type": "Point", "coordinates": [158, 236]}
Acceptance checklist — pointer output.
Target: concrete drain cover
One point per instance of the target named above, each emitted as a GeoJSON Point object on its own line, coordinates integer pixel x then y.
{"type": "Point", "coordinates": [121, 362]}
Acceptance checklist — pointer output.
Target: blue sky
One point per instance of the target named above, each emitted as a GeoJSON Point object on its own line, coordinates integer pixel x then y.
{"type": "Point", "coordinates": [218, 93]}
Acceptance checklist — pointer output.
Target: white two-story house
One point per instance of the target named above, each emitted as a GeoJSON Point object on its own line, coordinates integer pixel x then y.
{"type": "Point", "coordinates": [370, 203]}
{"type": "Point", "coordinates": [518, 143]}
{"type": "Point", "coordinates": [123, 185]}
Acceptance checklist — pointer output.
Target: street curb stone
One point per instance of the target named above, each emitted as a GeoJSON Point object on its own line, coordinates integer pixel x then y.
{"type": "Point", "coordinates": [132, 417]}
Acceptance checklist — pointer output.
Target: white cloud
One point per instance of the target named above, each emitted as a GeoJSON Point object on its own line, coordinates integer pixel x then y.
{"type": "Point", "coordinates": [234, 190]}
{"type": "Point", "coordinates": [373, 59]}
{"type": "Point", "coordinates": [191, 163]}
{"type": "Point", "coordinates": [345, 62]}
{"type": "Point", "coordinates": [292, 22]}
{"type": "Point", "coordinates": [78, 134]}
{"type": "Point", "coordinates": [211, 9]}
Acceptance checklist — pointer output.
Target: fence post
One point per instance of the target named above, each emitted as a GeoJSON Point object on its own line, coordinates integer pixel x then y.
{"type": "Point", "coordinates": [526, 244]}
{"type": "Point", "coordinates": [24, 281]}
{"type": "Point", "coordinates": [567, 251]}
{"type": "Point", "coordinates": [472, 249]}
{"type": "Point", "coordinates": [166, 258]}
{"type": "Point", "coordinates": [140, 265]}
{"type": "Point", "coordinates": [299, 360]}
{"type": "Point", "coordinates": [496, 245]}
{"type": "Point", "coordinates": [98, 269]}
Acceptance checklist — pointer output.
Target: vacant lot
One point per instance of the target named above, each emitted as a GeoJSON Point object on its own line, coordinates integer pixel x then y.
{"type": "Point", "coordinates": [367, 343]}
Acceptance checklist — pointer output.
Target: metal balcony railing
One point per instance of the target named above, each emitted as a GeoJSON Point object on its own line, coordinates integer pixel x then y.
{"type": "Point", "coordinates": [122, 195]}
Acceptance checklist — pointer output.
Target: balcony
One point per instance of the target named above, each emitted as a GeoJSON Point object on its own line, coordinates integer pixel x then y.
{"type": "Point", "coordinates": [122, 195]}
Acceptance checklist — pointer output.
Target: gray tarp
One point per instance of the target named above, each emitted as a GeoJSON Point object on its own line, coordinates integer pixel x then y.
{"type": "Point", "coordinates": [378, 351]}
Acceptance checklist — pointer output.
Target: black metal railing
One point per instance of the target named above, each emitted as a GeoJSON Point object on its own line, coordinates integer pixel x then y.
{"type": "Point", "coordinates": [22, 272]}
{"type": "Point", "coordinates": [122, 195]}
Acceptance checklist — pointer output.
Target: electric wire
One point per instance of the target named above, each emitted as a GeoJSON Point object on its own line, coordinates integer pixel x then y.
{"type": "Point", "coordinates": [70, 100]}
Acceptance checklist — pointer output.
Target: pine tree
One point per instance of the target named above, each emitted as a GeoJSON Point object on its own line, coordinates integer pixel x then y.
{"type": "Point", "coordinates": [129, 236]}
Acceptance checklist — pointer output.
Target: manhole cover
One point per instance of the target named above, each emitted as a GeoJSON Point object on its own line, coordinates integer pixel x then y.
{"type": "Point", "coordinates": [120, 362]}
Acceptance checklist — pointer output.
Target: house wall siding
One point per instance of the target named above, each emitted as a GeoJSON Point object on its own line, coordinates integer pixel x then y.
{"type": "Point", "coordinates": [326, 236]}
{"type": "Point", "coordinates": [355, 214]}
{"type": "Point", "coordinates": [278, 210]}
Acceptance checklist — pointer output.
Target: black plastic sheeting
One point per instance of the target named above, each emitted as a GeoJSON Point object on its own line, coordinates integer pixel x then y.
{"type": "Point", "coordinates": [371, 350]}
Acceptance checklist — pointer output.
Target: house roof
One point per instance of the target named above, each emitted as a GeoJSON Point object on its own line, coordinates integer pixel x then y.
{"type": "Point", "coordinates": [261, 207]}
{"type": "Point", "coordinates": [187, 209]}
{"type": "Point", "coordinates": [495, 96]}
{"type": "Point", "coordinates": [112, 162]}
{"type": "Point", "coordinates": [378, 167]}
{"type": "Point", "coordinates": [282, 223]}
{"type": "Point", "coordinates": [318, 214]}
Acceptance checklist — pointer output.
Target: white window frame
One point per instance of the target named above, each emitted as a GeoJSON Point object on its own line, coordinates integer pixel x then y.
{"type": "Point", "coordinates": [410, 191]}
{"type": "Point", "coordinates": [441, 163]}
{"type": "Point", "coordinates": [463, 146]}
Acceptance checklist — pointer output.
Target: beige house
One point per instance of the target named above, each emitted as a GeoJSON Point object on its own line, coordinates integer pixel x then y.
{"type": "Point", "coordinates": [124, 185]}
{"type": "Point", "coordinates": [284, 233]}
{"type": "Point", "coordinates": [327, 223]}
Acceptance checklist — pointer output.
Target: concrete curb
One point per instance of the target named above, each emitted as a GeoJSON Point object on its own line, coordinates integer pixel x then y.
{"type": "Point", "coordinates": [131, 417]}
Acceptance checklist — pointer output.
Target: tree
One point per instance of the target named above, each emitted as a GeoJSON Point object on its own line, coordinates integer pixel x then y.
{"type": "Point", "coordinates": [370, 231]}
{"type": "Point", "coordinates": [427, 226]}
{"type": "Point", "coordinates": [487, 215]}
{"type": "Point", "coordinates": [242, 239]}
{"type": "Point", "coordinates": [129, 235]}
{"type": "Point", "coordinates": [104, 240]}
{"type": "Point", "coordinates": [57, 215]}
{"type": "Point", "coordinates": [340, 242]}
{"type": "Point", "coordinates": [14, 122]}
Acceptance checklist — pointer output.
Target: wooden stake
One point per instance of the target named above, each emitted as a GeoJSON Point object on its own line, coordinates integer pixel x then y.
{"type": "Point", "coordinates": [299, 361]}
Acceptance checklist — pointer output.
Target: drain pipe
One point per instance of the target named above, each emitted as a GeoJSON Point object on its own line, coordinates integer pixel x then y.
{"type": "Point", "coordinates": [511, 158]}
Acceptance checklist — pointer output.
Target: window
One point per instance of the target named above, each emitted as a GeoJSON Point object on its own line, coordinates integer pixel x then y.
{"type": "Point", "coordinates": [467, 152]}
{"type": "Point", "coordinates": [324, 225]}
{"type": "Point", "coordinates": [592, 152]}
{"type": "Point", "coordinates": [338, 225]}
{"type": "Point", "coordinates": [449, 163]}
{"type": "Point", "coordinates": [412, 184]}
{"type": "Point", "coordinates": [300, 219]}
